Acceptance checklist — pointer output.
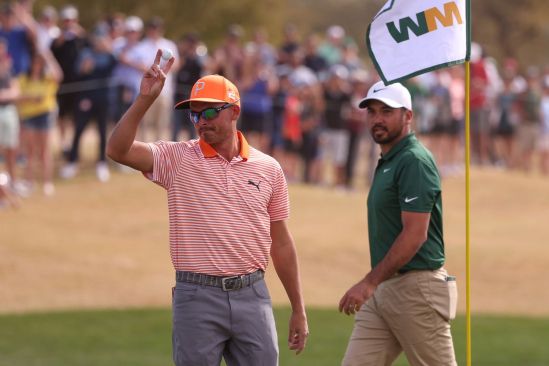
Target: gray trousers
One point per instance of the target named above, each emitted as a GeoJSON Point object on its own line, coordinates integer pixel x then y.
{"type": "Point", "coordinates": [209, 323]}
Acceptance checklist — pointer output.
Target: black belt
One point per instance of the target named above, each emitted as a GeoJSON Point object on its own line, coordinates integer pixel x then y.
{"type": "Point", "coordinates": [226, 283]}
{"type": "Point", "coordinates": [403, 271]}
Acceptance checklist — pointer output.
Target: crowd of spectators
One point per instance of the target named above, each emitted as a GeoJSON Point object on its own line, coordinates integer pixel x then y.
{"type": "Point", "coordinates": [299, 100]}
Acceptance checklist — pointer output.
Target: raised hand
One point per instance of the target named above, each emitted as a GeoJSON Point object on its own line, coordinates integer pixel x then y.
{"type": "Point", "coordinates": [155, 77]}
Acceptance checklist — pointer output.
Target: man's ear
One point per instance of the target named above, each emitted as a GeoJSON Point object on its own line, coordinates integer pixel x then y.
{"type": "Point", "coordinates": [409, 115]}
{"type": "Point", "coordinates": [236, 111]}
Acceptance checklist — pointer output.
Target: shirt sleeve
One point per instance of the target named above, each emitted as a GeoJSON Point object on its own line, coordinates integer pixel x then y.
{"type": "Point", "coordinates": [418, 185]}
{"type": "Point", "coordinates": [167, 157]}
{"type": "Point", "coordinates": [279, 206]}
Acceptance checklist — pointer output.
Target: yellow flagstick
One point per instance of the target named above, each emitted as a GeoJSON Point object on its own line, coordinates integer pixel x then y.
{"type": "Point", "coordinates": [467, 221]}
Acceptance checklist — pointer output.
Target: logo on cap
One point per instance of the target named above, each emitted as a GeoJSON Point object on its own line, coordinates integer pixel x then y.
{"type": "Point", "coordinates": [199, 86]}
{"type": "Point", "coordinates": [232, 95]}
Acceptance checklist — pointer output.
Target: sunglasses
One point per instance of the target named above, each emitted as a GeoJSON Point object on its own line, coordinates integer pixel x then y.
{"type": "Point", "coordinates": [209, 114]}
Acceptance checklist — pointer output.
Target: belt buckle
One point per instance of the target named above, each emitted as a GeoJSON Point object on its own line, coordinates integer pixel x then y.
{"type": "Point", "coordinates": [234, 278]}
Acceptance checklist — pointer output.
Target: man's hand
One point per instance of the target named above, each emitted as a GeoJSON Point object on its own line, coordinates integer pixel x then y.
{"type": "Point", "coordinates": [299, 331]}
{"type": "Point", "coordinates": [155, 77]}
{"type": "Point", "coordinates": [356, 296]}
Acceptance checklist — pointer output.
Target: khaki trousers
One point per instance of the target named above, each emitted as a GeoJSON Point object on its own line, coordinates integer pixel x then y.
{"type": "Point", "coordinates": [410, 313]}
{"type": "Point", "coordinates": [157, 119]}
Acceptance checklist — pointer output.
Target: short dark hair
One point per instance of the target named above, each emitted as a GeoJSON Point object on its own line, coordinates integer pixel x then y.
{"type": "Point", "coordinates": [155, 22]}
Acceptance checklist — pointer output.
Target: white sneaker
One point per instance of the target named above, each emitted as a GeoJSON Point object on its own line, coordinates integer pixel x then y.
{"type": "Point", "coordinates": [69, 171]}
{"type": "Point", "coordinates": [23, 188]}
{"type": "Point", "coordinates": [102, 171]}
{"type": "Point", "coordinates": [5, 179]}
{"type": "Point", "coordinates": [49, 189]}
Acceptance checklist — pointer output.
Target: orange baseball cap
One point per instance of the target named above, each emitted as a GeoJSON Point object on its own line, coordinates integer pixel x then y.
{"type": "Point", "coordinates": [212, 89]}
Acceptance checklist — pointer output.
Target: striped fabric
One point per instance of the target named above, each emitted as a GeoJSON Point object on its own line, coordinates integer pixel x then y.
{"type": "Point", "coordinates": [220, 212]}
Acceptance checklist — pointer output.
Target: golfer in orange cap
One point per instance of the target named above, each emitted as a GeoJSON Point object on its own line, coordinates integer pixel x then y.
{"type": "Point", "coordinates": [228, 207]}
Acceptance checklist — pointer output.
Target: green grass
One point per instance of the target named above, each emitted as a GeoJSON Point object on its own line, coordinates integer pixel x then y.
{"type": "Point", "coordinates": [143, 337]}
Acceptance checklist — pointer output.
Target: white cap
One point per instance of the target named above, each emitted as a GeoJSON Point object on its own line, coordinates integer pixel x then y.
{"type": "Point", "coordinates": [335, 31]}
{"type": "Point", "coordinates": [133, 23]}
{"type": "Point", "coordinates": [69, 12]}
{"type": "Point", "coordinates": [394, 95]}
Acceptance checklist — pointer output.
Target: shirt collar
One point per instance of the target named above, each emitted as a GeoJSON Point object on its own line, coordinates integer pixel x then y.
{"type": "Point", "coordinates": [209, 152]}
{"type": "Point", "coordinates": [405, 141]}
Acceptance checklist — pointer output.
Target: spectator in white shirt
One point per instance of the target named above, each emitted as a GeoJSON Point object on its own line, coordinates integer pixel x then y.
{"type": "Point", "coordinates": [128, 72]}
{"type": "Point", "coordinates": [160, 113]}
{"type": "Point", "coordinates": [47, 28]}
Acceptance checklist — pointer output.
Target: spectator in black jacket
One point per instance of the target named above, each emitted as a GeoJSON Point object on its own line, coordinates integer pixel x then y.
{"type": "Point", "coordinates": [66, 49]}
{"type": "Point", "coordinates": [93, 66]}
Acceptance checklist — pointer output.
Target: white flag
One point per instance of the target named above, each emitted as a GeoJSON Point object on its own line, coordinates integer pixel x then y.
{"type": "Point", "coordinates": [411, 37]}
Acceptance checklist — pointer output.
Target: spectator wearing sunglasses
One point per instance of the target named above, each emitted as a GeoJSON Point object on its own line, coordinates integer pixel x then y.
{"type": "Point", "coordinates": [229, 206]}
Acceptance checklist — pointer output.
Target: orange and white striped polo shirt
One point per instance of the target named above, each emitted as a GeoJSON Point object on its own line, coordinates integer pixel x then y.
{"type": "Point", "coordinates": [220, 211]}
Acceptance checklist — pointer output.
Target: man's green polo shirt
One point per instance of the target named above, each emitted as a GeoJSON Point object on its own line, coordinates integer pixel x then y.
{"type": "Point", "coordinates": [406, 179]}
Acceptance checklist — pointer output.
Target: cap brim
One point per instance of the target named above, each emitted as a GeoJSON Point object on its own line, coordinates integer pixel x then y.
{"type": "Point", "coordinates": [363, 103]}
{"type": "Point", "coordinates": [186, 104]}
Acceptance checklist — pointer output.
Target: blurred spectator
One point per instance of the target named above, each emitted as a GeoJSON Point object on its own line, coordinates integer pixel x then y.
{"type": "Point", "coordinates": [94, 66]}
{"type": "Point", "coordinates": [228, 59]}
{"type": "Point", "coordinates": [442, 119]}
{"type": "Point", "coordinates": [160, 114]}
{"type": "Point", "coordinates": [480, 122]}
{"type": "Point", "coordinates": [127, 73]}
{"type": "Point", "coordinates": [331, 50]}
{"type": "Point", "coordinates": [289, 45]}
{"type": "Point", "coordinates": [456, 127]}
{"type": "Point", "coordinates": [299, 74]}
{"type": "Point", "coordinates": [117, 27]}
{"type": "Point", "coordinates": [350, 58]}
{"type": "Point", "coordinates": [279, 105]}
{"type": "Point", "coordinates": [9, 120]}
{"type": "Point", "coordinates": [336, 135]}
{"type": "Point", "coordinates": [312, 59]}
{"type": "Point", "coordinates": [529, 111]}
{"type": "Point", "coordinates": [494, 87]}
{"type": "Point", "coordinates": [47, 29]}
{"type": "Point", "coordinates": [66, 49]}
{"type": "Point", "coordinates": [291, 131]}
{"type": "Point", "coordinates": [311, 115]}
{"type": "Point", "coordinates": [544, 136]}
{"type": "Point", "coordinates": [508, 120]}
{"type": "Point", "coordinates": [258, 85]}
{"type": "Point", "coordinates": [420, 120]}
{"type": "Point", "coordinates": [510, 70]}
{"type": "Point", "coordinates": [356, 124]}
{"type": "Point", "coordinates": [267, 52]}
{"type": "Point", "coordinates": [19, 28]}
{"type": "Point", "coordinates": [193, 58]}
{"type": "Point", "coordinates": [36, 106]}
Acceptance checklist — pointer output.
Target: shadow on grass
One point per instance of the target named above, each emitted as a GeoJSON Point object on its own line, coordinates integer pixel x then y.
{"type": "Point", "coordinates": [143, 337]}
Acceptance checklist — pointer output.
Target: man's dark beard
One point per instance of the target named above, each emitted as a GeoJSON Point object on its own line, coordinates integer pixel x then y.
{"type": "Point", "coordinates": [390, 136]}
{"type": "Point", "coordinates": [388, 139]}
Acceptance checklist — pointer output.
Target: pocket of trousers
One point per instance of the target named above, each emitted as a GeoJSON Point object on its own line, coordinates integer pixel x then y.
{"type": "Point", "coordinates": [261, 290]}
{"type": "Point", "coordinates": [445, 296]}
{"type": "Point", "coordinates": [184, 292]}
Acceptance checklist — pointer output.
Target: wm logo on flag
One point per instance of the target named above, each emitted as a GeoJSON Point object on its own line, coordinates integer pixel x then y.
{"type": "Point", "coordinates": [426, 22]}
